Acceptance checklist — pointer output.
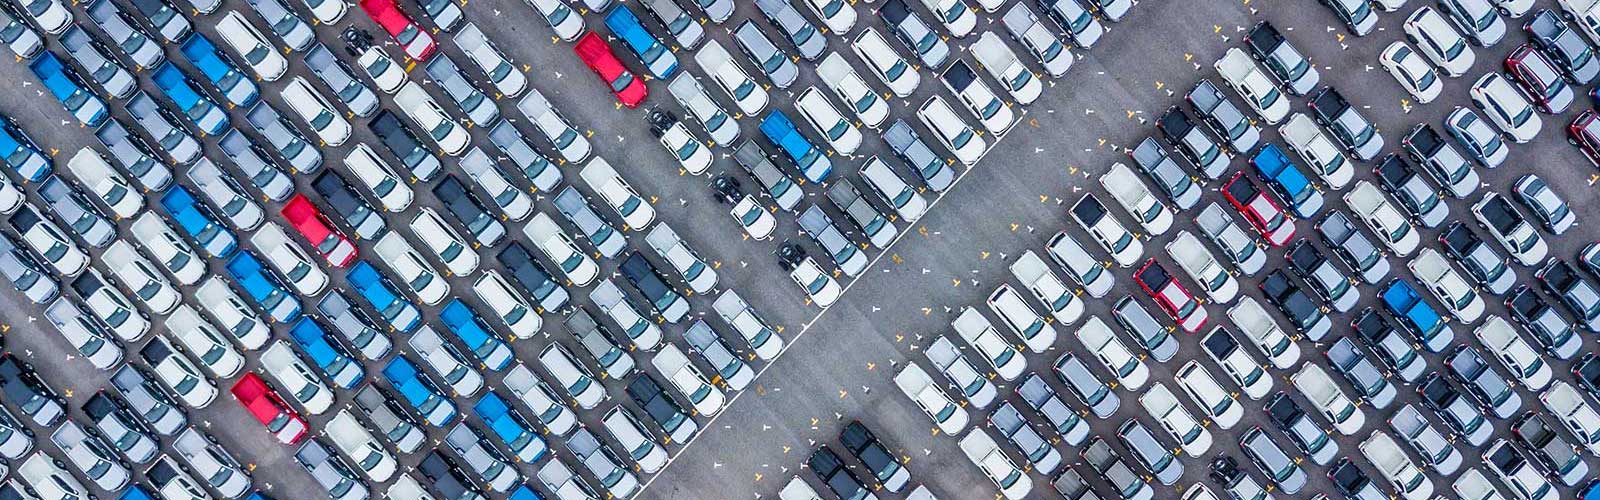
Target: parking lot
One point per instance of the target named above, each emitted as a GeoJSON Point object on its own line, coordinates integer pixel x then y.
{"type": "Point", "coordinates": [838, 362]}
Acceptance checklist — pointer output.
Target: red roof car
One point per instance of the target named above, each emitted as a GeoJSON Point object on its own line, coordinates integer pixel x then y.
{"type": "Point", "coordinates": [415, 41]}
{"type": "Point", "coordinates": [1539, 79]}
{"type": "Point", "coordinates": [314, 226]}
{"type": "Point", "coordinates": [1173, 298]}
{"type": "Point", "coordinates": [1263, 213]}
{"type": "Point", "coordinates": [594, 52]}
{"type": "Point", "coordinates": [1584, 132]}
{"type": "Point", "coordinates": [269, 408]}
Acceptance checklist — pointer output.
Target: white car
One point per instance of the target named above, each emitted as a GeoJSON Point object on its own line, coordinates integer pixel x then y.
{"type": "Point", "coordinates": [51, 15]}
{"type": "Point", "coordinates": [838, 15]}
{"type": "Point", "coordinates": [383, 70]}
{"type": "Point", "coordinates": [444, 243]}
{"type": "Point", "coordinates": [1013, 310]}
{"type": "Point", "coordinates": [140, 275]}
{"type": "Point", "coordinates": [567, 23]}
{"type": "Point", "coordinates": [326, 11]}
{"type": "Point", "coordinates": [971, 381]}
{"type": "Point", "coordinates": [1089, 273]}
{"type": "Point", "coordinates": [1396, 467]}
{"type": "Point", "coordinates": [1040, 39]}
{"type": "Point", "coordinates": [762, 337]}
{"type": "Point", "coordinates": [383, 183]}
{"type": "Point", "coordinates": [1509, 227]}
{"type": "Point", "coordinates": [1574, 412]}
{"type": "Point", "coordinates": [513, 204]}
{"type": "Point", "coordinates": [573, 145]}
{"type": "Point", "coordinates": [748, 95]}
{"type": "Point", "coordinates": [1135, 197]}
{"type": "Point", "coordinates": [1220, 405]}
{"type": "Point", "coordinates": [446, 362]}
{"type": "Point", "coordinates": [871, 108]}
{"type": "Point", "coordinates": [251, 47]}
{"type": "Point", "coordinates": [86, 335]}
{"type": "Point", "coordinates": [48, 241]}
{"type": "Point", "coordinates": [208, 459]}
{"type": "Point", "coordinates": [1006, 360]}
{"type": "Point", "coordinates": [952, 131]}
{"type": "Point", "coordinates": [507, 304]}
{"type": "Point", "coordinates": [47, 479]}
{"type": "Point", "coordinates": [108, 304]}
{"type": "Point", "coordinates": [1203, 267]}
{"type": "Point", "coordinates": [753, 218]}
{"type": "Point", "coordinates": [981, 449]}
{"type": "Point", "coordinates": [231, 199]}
{"type": "Point", "coordinates": [1415, 75]}
{"type": "Point", "coordinates": [297, 380]}
{"type": "Point", "coordinates": [1262, 330]}
{"type": "Point", "coordinates": [1439, 41]}
{"type": "Point", "coordinates": [1324, 157]}
{"type": "Point", "coordinates": [1250, 374]}
{"type": "Point", "coordinates": [11, 198]}
{"type": "Point", "coordinates": [993, 113]}
{"type": "Point", "coordinates": [626, 430]}
{"type": "Point", "coordinates": [683, 146]}
{"type": "Point", "coordinates": [289, 260]}
{"type": "Point", "coordinates": [636, 213]}
{"type": "Point", "coordinates": [1162, 404]}
{"type": "Point", "coordinates": [95, 172]}
{"type": "Point", "coordinates": [886, 64]}
{"type": "Point", "coordinates": [541, 398]}
{"type": "Point", "coordinates": [718, 124]}
{"type": "Point", "coordinates": [995, 57]}
{"type": "Point", "coordinates": [704, 398]}
{"type": "Point", "coordinates": [1092, 216]}
{"type": "Point", "coordinates": [949, 417]}
{"type": "Point", "coordinates": [426, 114]}
{"type": "Point", "coordinates": [416, 273]}
{"type": "Point", "coordinates": [957, 16]}
{"type": "Point", "coordinates": [1514, 353]}
{"type": "Point", "coordinates": [351, 437]}
{"type": "Point", "coordinates": [694, 269]}
{"type": "Point", "coordinates": [814, 108]}
{"type": "Point", "coordinates": [507, 80]}
{"type": "Point", "coordinates": [635, 326]}
{"type": "Point", "coordinates": [177, 374]}
{"type": "Point", "coordinates": [330, 126]}
{"type": "Point", "coordinates": [195, 335]}
{"type": "Point", "coordinates": [893, 190]}
{"type": "Point", "coordinates": [1329, 400]}
{"type": "Point", "coordinates": [1114, 355]}
{"type": "Point", "coordinates": [1459, 296]}
{"type": "Point", "coordinates": [1369, 204]}
{"type": "Point", "coordinates": [235, 316]}
{"type": "Point", "coordinates": [1244, 77]}
{"type": "Point", "coordinates": [559, 248]}
{"type": "Point", "coordinates": [1506, 107]}
{"type": "Point", "coordinates": [1062, 302]}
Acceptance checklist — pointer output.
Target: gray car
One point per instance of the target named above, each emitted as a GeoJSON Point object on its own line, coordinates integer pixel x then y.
{"type": "Point", "coordinates": [826, 233]}
{"type": "Point", "coordinates": [357, 329]}
{"type": "Point", "coordinates": [910, 148]}
{"type": "Point", "coordinates": [83, 217]}
{"type": "Point", "coordinates": [603, 462]}
{"type": "Point", "coordinates": [1152, 454]}
{"type": "Point", "coordinates": [765, 54]}
{"type": "Point", "coordinates": [124, 431]}
{"type": "Point", "coordinates": [1088, 387]}
{"type": "Point", "coordinates": [330, 471]}
{"type": "Point", "coordinates": [124, 32]}
{"type": "Point", "coordinates": [1153, 337]}
{"type": "Point", "coordinates": [914, 33]}
{"type": "Point", "coordinates": [1481, 139]}
{"type": "Point", "coordinates": [778, 185]}
{"type": "Point", "coordinates": [482, 458]}
{"type": "Point", "coordinates": [1476, 19]}
{"type": "Point", "coordinates": [682, 26]}
{"type": "Point", "coordinates": [605, 237]}
{"type": "Point", "coordinates": [1353, 247]}
{"type": "Point", "coordinates": [333, 72]}
{"type": "Point", "coordinates": [135, 392]}
{"type": "Point", "coordinates": [1436, 450]}
{"type": "Point", "coordinates": [1114, 470]}
{"type": "Point", "coordinates": [795, 26]}
{"type": "Point", "coordinates": [178, 144]}
{"type": "Point", "coordinates": [534, 165]}
{"type": "Point", "coordinates": [301, 156]}
{"type": "Point", "coordinates": [389, 420]}
{"type": "Point", "coordinates": [1238, 246]}
{"type": "Point", "coordinates": [26, 274]}
{"type": "Point", "coordinates": [1370, 382]}
{"type": "Point", "coordinates": [479, 108]}
{"type": "Point", "coordinates": [1226, 120]}
{"type": "Point", "coordinates": [1273, 462]}
{"type": "Point", "coordinates": [256, 165]}
{"type": "Point", "coordinates": [135, 156]}
{"type": "Point", "coordinates": [1062, 418]}
{"type": "Point", "coordinates": [613, 359]}
{"type": "Point", "coordinates": [1152, 159]}
{"type": "Point", "coordinates": [1548, 207]}
{"type": "Point", "coordinates": [710, 346]}
{"type": "Point", "coordinates": [874, 224]}
{"type": "Point", "coordinates": [98, 64]}
{"type": "Point", "coordinates": [1016, 430]}
{"type": "Point", "coordinates": [285, 23]}
{"type": "Point", "coordinates": [16, 34]}
{"type": "Point", "coordinates": [1440, 160]}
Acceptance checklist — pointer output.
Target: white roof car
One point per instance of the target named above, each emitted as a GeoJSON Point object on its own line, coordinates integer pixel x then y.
{"type": "Point", "coordinates": [208, 459]}
{"type": "Point", "coordinates": [235, 316]}
{"type": "Point", "coordinates": [49, 480]}
{"type": "Point", "coordinates": [1002, 64]}
{"type": "Point", "coordinates": [1329, 399]}
{"type": "Point", "coordinates": [952, 131]}
{"type": "Point", "coordinates": [1062, 302]}
{"type": "Point", "coordinates": [1040, 39]}
{"type": "Point", "coordinates": [635, 439]}
{"type": "Point", "coordinates": [1014, 311]}
{"type": "Point", "coordinates": [1137, 198]}
{"type": "Point", "coordinates": [967, 377]}
{"type": "Point", "coordinates": [86, 335]}
{"type": "Point", "coordinates": [1439, 41]}
{"type": "Point", "coordinates": [1367, 203]}
{"type": "Point", "coordinates": [1447, 285]}
{"type": "Point", "coordinates": [636, 213]}
{"type": "Point", "coordinates": [48, 241]}
{"type": "Point", "coordinates": [1473, 485]}
{"type": "Point", "coordinates": [140, 275]}
{"type": "Point", "coordinates": [382, 69]}
{"type": "Point", "coordinates": [507, 304]}
{"type": "Point", "coordinates": [753, 218]}
{"type": "Point", "coordinates": [1506, 107]}
{"type": "Point", "coordinates": [748, 95]}
{"type": "Point", "coordinates": [1251, 375]}
{"type": "Point", "coordinates": [957, 16]}
{"type": "Point", "coordinates": [946, 414]}
{"type": "Point", "coordinates": [682, 145]}
{"type": "Point", "coordinates": [838, 15]}
{"type": "Point", "coordinates": [763, 338]}
{"type": "Point", "coordinates": [826, 120]}
{"type": "Point", "coordinates": [1162, 404]}
{"type": "Point", "coordinates": [539, 397]}
{"type": "Point", "coordinates": [1001, 355]}
{"type": "Point", "coordinates": [1575, 413]}
{"type": "Point", "coordinates": [416, 273]}
{"type": "Point", "coordinates": [1092, 216]}
{"type": "Point", "coordinates": [24, 42]}
{"type": "Point", "coordinates": [351, 437]}
{"type": "Point", "coordinates": [1319, 152]}
{"type": "Point", "coordinates": [444, 243]}
{"type": "Point", "coordinates": [886, 64]}
{"type": "Point", "coordinates": [1242, 74]}
{"type": "Point", "coordinates": [1204, 391]}
{"type": "Point", "coordinates": [821, 288]}
{"type": "Point", "coordinates": [298, 381]}
{"type": "Point", "coordinates": [693, 268]}
{"type": "Point", "coordinates": [1262, 330]}
{"type": "Point", "coordinates": [796, 488]}
{"type": "Point", "coordinates": [196, 336]}
{"type": "Point", "coordinates": [10, 197]}
{"type": "Point", "coordinates": [573, 145]}
{"type": "Point", "coordinates": [51, 15]}
{"type": "Point", "coordinates": [566, 22]}
{"type": "Point", "coordinates": [559, 248]}
{"type": "Point", "coordinates": [706, 399]}
{"type": "Point", "coordinates": [644, 333]}
{"type": "Point", "coordinates": [290, 260]}
{"type": "Point", "coordinates": [893, 190]}
{"type": "Point", "coordinates": [1402, 474]}
{"type": "Point", "coordinates": [1514, 353]}
{"type": "Point", "coordinates": [426, 114]}
{"type": "Point", "coordinates": [106, 183]}
{"type": "Point", "coordinates": [177, 374]}
{"type": "Point", "coordinates": [251, 47]}
{"type": "Point", "coordinates": [1114, 355]}
{"type": "Point", "coordinates": [446, 362]}
{"type": "Point", "coordinates": [382, 182]}
{"type": "Point", "coordinates": [231, 199]}
{"type": "Point", "coordinates": [992, 112]}
{"type": "Point", "coordinates": [985, 453]}
{"type": "Point", "coordinates": [1203, 267]}
{"type": "Point", "coordinates": [715, 120]}
{"type": "Point", "coordinates": [871, 108]}
{"type": "Point", "coordinates": [1090, 274]}
{"type": "Point", "coordinates": [1415, 75]}
{"type": "Point", "coordinates": [329, 125]}
{"type": "Point", "coordinates": [507, 80]}
{"type": "Point", "coordinates": [512, 203]}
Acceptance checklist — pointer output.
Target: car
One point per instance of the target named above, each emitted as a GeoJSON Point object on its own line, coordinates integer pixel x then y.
{"type": "Point", "coordinates": [380, 180]}
{"type": "Point", "coordinates": [1465, 420]}
{"type": "Point", "coordinates": [285, 139]}
{"type": "Point", "coordinates": [1093, 217]}
{"type": "Point", "coordinates": [46, 240]}
{"type": "Point", "coordinates": [613, 359]}
{"type": "Point", "coordinates": [717, 62]}
{"type": "Point", "coordinates": [307, 103]}
{"type": "Point", "coordinates": [636, 213]}
{"type": "Point", "coordinates": [250, 46]}
{"type": "Point", "coordinates": [1287, 65]}
{"type": "Point", "coordinates": [336, 249]}
{"type": "Point", "coordinates": [961, 371]}
{"type": "Point", "coordinates": [70, 204]}
{"type": "Point", "coordinates": [289, 261]}
{"type": "Point", "coordinates": [1114, 356]}
{"type": "Point", "coordinates": [1514, 353]}
{"type": "Point", "coordinates": [1551, 452]}
{"type": "Point", "coordinates": [876, 226]}
{"type": "Point", "coordinates": [1554, 333]}
{"type": "Point", "coordinates": [1546, 205]}
{"type": "Point", "coordinates": [1001, 356]}
{"type": "Point", "coordinates": [1218, 404]}
{"type": "Point", "coordinates": [15, 440]}
{"type": "Point", "coordinates": [281, 364]}
{"type": "Point", "coordinates": [22, 267]}
{"type": "Point", "coordinates": [536, 166]}
{"type": "Point", "coordinates": [1563, 46]}
{"type": "Point", "coordinates": [414, 40]}
{"type": "Point", "coordinates": [1191, 435]}
{"type": "Point", "coordinates": [384, 296]}
{"type": "Point", "coordinates": [574, 378]}
{"type": "Point", "coordinates": [269, 409]}
{"type": "Point", "coordinates": [1310, 438]}
{"type": "Point", "coordinates": [820, 288]}
{"type": "Point", "coordinates": [68, 87]}
{"type": "Point", "coordinates": [285, 23]}
{"type": "Point", "coordinates": [1080, 25]}
{"type": "Point", "coordinates": [1294, 303]}
{"type": "Point", "coordinates": [626, 430]}
{"type": "Point", "coordinates": [481, 221]}
{"type": "Point", "coordinates": [198, 337]}
{"type": "Point", "coordinates": [1380, 216]}
{"type": "Point", "coordinates": [1220, 115]}
{"type": "Point", "coordinates": [1539, 79]}
{"type": "Point", "coordinates": [1459, 296]}
{"type": "Point", "coordinates": [1115, 470]}
{"type": "Point", "coordinates": [1353, 483]}
{"type": "Point", "coordinates": [916, 384]}
{"type": "Point", "coordinates": [132, 438]}
{"type": "Point", "coordinates": [106, 72]}
{"type": "Point", "coordinates": [1263, 214]}
{"type": "Point", "coordinates": [1239, 247]}
{"type": "Point", "coordinates": [1506, 107]}
{"type": "Point", "coordinates": [350, 436]}
{"type": "Point", "coordinates": [1358, 135]}
{"type": "Point", "coordinates": [1394, 466]}
{"type": "Point", "coordinates": [24, 42]}
{"type": "Point", "coordinates": [220, 72]}
{"type": "Point", "coordinates": [1328, 399]}
{"type": "Point", "coordinates": [178, 374]}
{"type": "Point", "coordinates": [33, 396]}
{"type": "Point", "coordinates": [1419, 318]}
{"type": "Point", "coordinates": [712, 347]}
{"type": "Point", "coordinates": [419, 391]}
{"type": "Point", "coordinates": [1312, 145]}
{"type": "Point", "coordinates": [1436, 450]}
{"type": "Point", "coordinates": [482, 459]}
{"type": "Point", "coordinates": [908, 146]}
{"type": "Point", "coordinates": [1441, 161]}
{"type": "Point", "coordinates": [1473, 133]}
{"type": "Point", "coordinates": [1513, 470]}
{"type": "Point", "coordinates": [388, 419]}
{"type": "Point", "coordinates": [110, 307]}
{"type": "Point", "coordinates": [551, 240]}
{"type": "Point", "coordinates": [1040, 39]}
{"type": "Point", "coordinates": [1477, 19]}
{"type": "Point", "coordinates": [1152, 159]}
{"type": "Point", "coordinates": [635, 325]}
{"type": "Point", "coordinates": [993, 113]}
{"type": "Point", "coordinates": [1370, 383]}
{"type": "Point", "coordinates": [1137, 199]}
{"type": "Point", "coordinates": [705, 398]}
{"type": "Point", "coordinates": [1259, 92]}
{"type": "Point", "coordinates": [1396, 353]}
{"type": "Point", "coordinates": [1240, 366]}
{"type": "Point", "coordinates": [330, 356]}
{"type": "Point", "coordinates": [1577, 293]}
{"type": "Point", "coordinates": [509, 425]}
{"type": "Point", "coordinates": [1434, 37]}
{"type": "Point", "coordinates": [1510, 228]}
{"type": "Point", "coordinates": [1193, 144]}
{"type": "Point", "coordinates": [1573, 411]}
{"type": "Point", "coordinates": [354, 326]}
{"type": "Point", "coordinates": [222, 191]}
{"type": "Point", "coordinates": [1154, 279]}
{"type": "Point", "coordinates": [1357, 15]}
{"type": "Point", "coordinates": [329, 471]}
{"type": "Point", "coordinates": [1420, 200]}
{"type": "Point", "coordinates": [833, 472]}
{"type": "Point", "coordinates": [1286, 181]}
{"type": "Point", "coordinates": [1273, 462]}
{"type": "Point", "coordinates": [1487, 267]}
{"type": "Point", "coordinates": [207, 459]}
{"type": "Point", "coordinates": [1411, 71]}
{"type": "Point", "coordinates": [44, 475]}
{"type": "Point", "coordinates": [827, 122]}
{"type": "Point", "coordinates": [664, 300]}
{"type": "Point", "coordinates": [151, 233]}
{"type": "Point", "coordinates": [425, 113]}
{"type": "Point", "coordinates": [1325, 280]}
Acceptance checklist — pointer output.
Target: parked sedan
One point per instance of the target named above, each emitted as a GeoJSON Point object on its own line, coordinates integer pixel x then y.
{"type": "Point", "coordinates": [1224, 119]}
{"type": "Point", "coordinates": [1411, 71]}
{"type": "Point", "coordinates": [1539, 80]}
{"type": "Point", "coordinates": [1547, 206]}
{"type": "Point", "coordinates": [1506, 107]}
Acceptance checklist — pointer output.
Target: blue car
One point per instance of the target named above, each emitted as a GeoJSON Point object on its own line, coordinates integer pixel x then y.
{"type": "Point", "coordinates": [513, 430]}
{"type": "Point", "coordinates": [470, 329]}
{"type": "Point", "coordinates": [201, 112]}
{"type": "Point", "coordinates": [381, 294]}
{"type": "Point", "coordinates": [270, 294]}
{"type": "Point", "coordinates": [813, 164]}
{"type": "Point", "coordinates": [660, 61]}
{"type": "Point", "coordinates": [419, 392]}
{"type": "Point", "coordinates": [1419, 319]}
{"type": "Point", "coordinates": [197, 220]}
{"type": "Point", "coordinates": [224, 77]}
{"type": "Point", "coordinates": [1284, 179]}
{"type": "Point", "coordinates": [335, 362]}
{"type": "Point", "coordinates": [20, 153]}
{"type": "Point", "coordinates": [67, 85]}
{"type": "Point", "coordinates": [137, 492]}
{"type": "Point", "coordinates": [523, 492]}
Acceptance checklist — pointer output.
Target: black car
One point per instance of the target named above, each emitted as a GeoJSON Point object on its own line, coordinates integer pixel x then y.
{"type": "Point", "coordinates": [1552, 330]}
{"type": "Point", "coordinates": [1563, 46]}
{"type": "Point", "coordinates": [1325, 280]}
{"type": "Point", "coordinates": [447, 479]}
{"type": "Point", "coordinates": [1282, 60]}
{"type": "Point", "coordinates": [1416, 196]}
{"type": "Point", "coordinates": [1306, 435]}
{"type": "Point", "coordinates": [1353, 247]}
{"type": "Point", "coordinates": [469, 210]}
{"type": "Point", "coordinates": [1482, 262]}
{"type": "Point", "coordinates": [1552, 452]}
{"type": "Point", "coordinates": [1492, 392]}
{"type": "Point", "coordinates": [1353, 483]}
{"type": "Point", "coordinates": [22, 387]}
{"type": "Point", "coordinates": [526, 271]}
{"type": "Point", "coordinates": [1355, 132]}
{"type": "Point", "coordinates": [648, 394]}
{"type": "Point", "coordinates": [1296, 304]}
{"type": "Point", "coordinates": [1587, 371]}
{"type": "Point", "coordinates": [838, 478]}
{"type": "Point", "coordinates": [1440, 160]}
{"type": "Point", "coordinates": [1226, 120]}
{"type": "Point", "coordinates": [1197, 147]}
{"type": "Point", "coordinates": [879, 460]}
{"type": "Point", "coordinates": [398, 138]}
{"type": "Point", "coordinates": [664, 300]}
{"type": "Point", "coordinates": [1463, 418]}
{"type": "Point", "coordinates": [359, 218]}
{"type": "Point", "coordinates": [1580, 296]}
{"type": "Point", "coordinates": [1385, 342]}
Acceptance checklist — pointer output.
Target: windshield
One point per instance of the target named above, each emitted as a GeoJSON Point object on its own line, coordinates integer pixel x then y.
{"type": "Point", "coordinates": [407, 34]}
{"type": "Point", "coordinates": [257, 54]}
{"type": "Point", "coordinates": [442, 130]}
{"type": "Point", "coordinates": [894, 72]}
{"type": "Point", "coordinates": [622, 81]}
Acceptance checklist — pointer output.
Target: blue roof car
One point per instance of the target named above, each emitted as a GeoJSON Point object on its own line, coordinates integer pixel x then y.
{"type": "Point", "coordinates": [223, 75]}
{"type": "Point", "coordinates": [379, 293]}
{"type": "Point", "coordinates": [20, 153]}
{"type": "Point", "coordinates": [512, 429]}
{"type": "Point", "coordinates": [269, 294]}
{"type": "Point", "coordinates": [201, 112]}
{"type": "Point", "coordinates": [1420, 320]}
{"type": "Point", "coordinates": [470, 329]}
{"type": "Point", "coordinates": [198, 221]}
{"type": "Point", "coordinates": [807, 157]}
{"type": "Point", "coordinates": [660, 61]}
{"type": "Point", "coordinates": [332, 358]}
{"type": "Point", "coordinates": [1284, 179]}
{"type": "Point", "coordinates": [137, 492]}
{"type": "Point", "coordinates": [67, 85]}
{"type": "Point", "coordinates": [419, 392]}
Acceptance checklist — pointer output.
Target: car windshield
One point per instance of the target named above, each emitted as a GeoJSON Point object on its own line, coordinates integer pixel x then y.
{"type": "Point", "coordinates": [773, 62]}
{"type": "Point", "coordinates": [1400, 231]}
{"type": "Point", "coordinates": [744, 89]}
{"type": "Point", "coordinates": [322, 119]}
{"type": "Point", "coordinates": [299, 271]}
{"type": "Point", "coordinates": [926, 43]}
{"type": "Point", "coordinates": [307, 392]}
{"type": "Point", "coordinates": [187, 384]}
{"type": "Point", "coordinates": [566, 138]}
{"type": "Point", "coordinates": [559, 14]}
{"type": "Point", "coordinates": [961, 139]}
{"type": "Point", "coordinates": [257, 54]}
{"type": "Point", "coordinates": [817, 284]}
{"type": "Point", "coordinates": [838, 130]}
{"type": "Point", "coordinates": [442, 130]}
{"type": "Point", "coordinates": [278, 422]}
{"type": "Point", "coordinates": [1222, 405]}
{"type": "Point", "coordinates": [420, 281]}
{"type": "Point", "coordinates": [894, 71]}
{"type": "Point", "coordinates": [407, 34]}
{"type": "Point", "coordinates": [622, 81]}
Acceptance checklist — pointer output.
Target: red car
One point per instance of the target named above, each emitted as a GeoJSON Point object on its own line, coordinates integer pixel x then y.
{"type": "Point", "coordinates": [1539, 79]}
{"type": "Point", "coordinates": [415, 41]}
{"type": "Point", "coordinates": [269, 409]}
{"type": "Point", "coordinates": [1584, 132]}
{"type": "Point", "coordinates": [1174, 299]}
{"type": "Point", "coordinates": [314, 226]}
{"type": "Point", "coordinates": [1263, 213]}
{"type": "Point", "coordinates": [594, 52]}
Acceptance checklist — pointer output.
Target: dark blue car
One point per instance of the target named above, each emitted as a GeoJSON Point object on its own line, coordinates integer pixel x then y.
{"type": "Point", "coordinates": [260, 285]}
{"type": "Point", "coordinates": [331, 357]}
{"type": "Point", "coordinates": [199, 222]}
{"type": "Point", "coordinates": [223, 76]}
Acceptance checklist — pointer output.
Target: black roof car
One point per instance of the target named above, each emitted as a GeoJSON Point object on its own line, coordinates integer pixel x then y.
{"type": "Point", "coordinates": [1089, 210]}
{"type": "Point", "coordinates": [1385, 342]}
{"type": "Point", "coordinates": [1283, 61]}
{"type": "Point", "coordinates": [1425, 146]}
{"type": "Point", "coordinates": [1353, 483]}
{"type": "Point", "coordinates": [1464, 246]}
{"type": "Point", "coordinates": [465, 205]}
{"type": "Point", "coordinates": [1307, 262]}
{"type": "Point", "coordinates": [527, 271]}
{"type": "Point", "coordinates": [838, 478]}
{"type": "Point", "coordinates": [1195, 146]}
{"type": "Point", "coordinates": [1353, 131]}
{"type": "Point", "coordinates": [22, 386]}
{"type": "Point", "coordinates": [872, 452]}
{"type": "Point", "coordinates": [353, 211]}
{"type": "Point", "coordinates": [1577, 293]}
{"type": "Point", "coordinates": [1397, 178]}
{"type": "Point", "coordinates": [1292, 301]}
{"type": "Point", "coordinates": [1587, 371]}
{"type": "Point", "coordinates": [1502, 217]}
{"type": "Point", "coordinates": [1463, 419]}
{"type": "Point", "coordinates": [398, 138]}
{"type": "Point", "coordinates": [1547, 326]}
{"type": "Point", "coordinates": [446, 477]}
{"type": "Point", "coordinates": [1492, 392]}
{"type": "Point", "coordinates": [1288, 417]}
{"type": "Point", "coordinates": [1552, 452]}
{"type": "Point", "coordinates": [649, 281]}
{"type": "Point", "coordinates": [648, 394]}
